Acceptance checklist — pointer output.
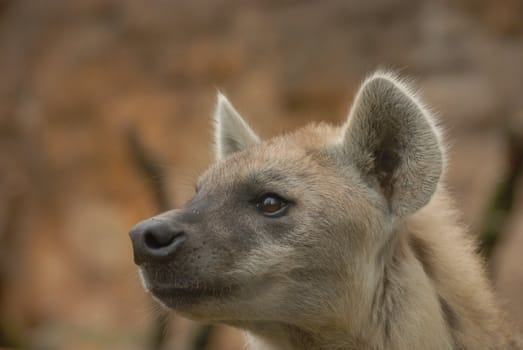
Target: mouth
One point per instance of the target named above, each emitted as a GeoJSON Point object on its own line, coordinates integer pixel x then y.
{"type": "Point", "coordinates": [175, 292]}
{"type": "Point", "coordinates": [181, 293]}
{"type": "Point", "coordinates": [175, 296]}
{"type": "Point", "coordinates": [182, 297]}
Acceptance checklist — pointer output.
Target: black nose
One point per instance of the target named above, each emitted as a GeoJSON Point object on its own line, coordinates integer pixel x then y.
{"type": "Point", "coordinates": [155, 240]}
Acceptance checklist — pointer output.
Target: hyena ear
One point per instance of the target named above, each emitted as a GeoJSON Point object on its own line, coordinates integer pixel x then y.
{"type": "Point", "coordinates": [231, 132]}
{"type": "Point", "coordinates": [394, 142]}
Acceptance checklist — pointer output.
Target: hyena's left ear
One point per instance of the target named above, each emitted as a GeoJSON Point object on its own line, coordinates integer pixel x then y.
{"type": "Point", "coordinates": [393, 141]}
{"type": "Point", "coordinates": [231, 132]}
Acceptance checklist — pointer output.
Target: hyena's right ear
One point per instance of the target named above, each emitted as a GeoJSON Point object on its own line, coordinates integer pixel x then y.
{"type": "Point", "coordinates": [393, 141]}
{"type": "Point", "coordinates": [231, 132]}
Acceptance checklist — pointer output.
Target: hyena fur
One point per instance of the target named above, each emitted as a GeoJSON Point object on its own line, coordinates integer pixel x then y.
{"type": "Point", "coordinates": [327, 237]}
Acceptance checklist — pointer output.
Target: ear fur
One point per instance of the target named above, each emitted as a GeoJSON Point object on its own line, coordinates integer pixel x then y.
{"type": "Point", "coordinates": [392, 139]}
{"type": "Point", "coordinates": [231, 132]}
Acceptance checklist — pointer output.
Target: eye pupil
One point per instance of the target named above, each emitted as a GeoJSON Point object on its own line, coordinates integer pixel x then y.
{"type": "Point", "coordinates": [272, 205]}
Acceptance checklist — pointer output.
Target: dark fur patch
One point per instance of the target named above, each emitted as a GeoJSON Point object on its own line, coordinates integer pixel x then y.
{"type": "Point", "coordinates": [451, 317]}
{"type": "Point", "coordinates": [423, 253]}
{"type": "Point", "coordinates": [387, 314]}
{"type": "Point", "coordinates": [385, 306]}
{"type": "Point", "coordinates": [452, 320]}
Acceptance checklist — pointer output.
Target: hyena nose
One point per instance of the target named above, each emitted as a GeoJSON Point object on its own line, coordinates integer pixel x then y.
{"type": "Point", "coordinates": [155, 241]}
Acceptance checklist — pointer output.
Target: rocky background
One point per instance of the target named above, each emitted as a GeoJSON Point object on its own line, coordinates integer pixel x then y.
{"type": "Point", "coordinates": [88, 88]}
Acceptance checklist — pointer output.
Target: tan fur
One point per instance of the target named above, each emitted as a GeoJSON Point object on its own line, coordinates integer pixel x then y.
{"type": "Point", "coordinates": [369, 255]}
{"type": "Point", "coordinates": [458, 277]}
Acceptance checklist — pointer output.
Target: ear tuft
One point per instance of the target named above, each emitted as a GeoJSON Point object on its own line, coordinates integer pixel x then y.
{"type": "Point", "coordinates": [393, 140]}
{"type": "Point", "coordinates": [232, 134]}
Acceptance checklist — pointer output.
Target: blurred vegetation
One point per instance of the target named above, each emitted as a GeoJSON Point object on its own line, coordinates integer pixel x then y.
{"type": "Point", "coordinates": [502, 203]}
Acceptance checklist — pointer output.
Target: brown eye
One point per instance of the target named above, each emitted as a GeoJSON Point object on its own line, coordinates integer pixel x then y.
{"type": "Point", "coordinates": [271, 205]}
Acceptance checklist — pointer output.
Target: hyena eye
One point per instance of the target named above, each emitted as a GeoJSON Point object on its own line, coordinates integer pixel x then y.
{"type": "Point", "coordinates": [271, 205]}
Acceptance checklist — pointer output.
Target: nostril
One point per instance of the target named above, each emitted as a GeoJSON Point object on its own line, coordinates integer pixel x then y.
{"type": "Point", "coordinates": [157, 241]}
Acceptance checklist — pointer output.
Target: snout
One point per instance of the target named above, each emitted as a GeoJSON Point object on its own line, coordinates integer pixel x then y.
{"type": "Point", "coordinates": [156, 240]}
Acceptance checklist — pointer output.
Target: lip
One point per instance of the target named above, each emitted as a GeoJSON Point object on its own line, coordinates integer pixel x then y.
{"type": "Point", "coordinates": [175, 296]}
{"type": "Point", "coordinates": [176, 292]}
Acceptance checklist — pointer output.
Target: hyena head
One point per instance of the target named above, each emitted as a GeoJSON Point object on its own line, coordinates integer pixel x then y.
{"type": "Point", "coordinates": [289, 229]}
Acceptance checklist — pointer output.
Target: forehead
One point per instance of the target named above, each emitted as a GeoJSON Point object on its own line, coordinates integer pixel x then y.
{"type": "Point", "coordinates": [297, 154]}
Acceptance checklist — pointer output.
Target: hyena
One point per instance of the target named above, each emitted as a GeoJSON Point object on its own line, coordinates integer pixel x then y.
{"type": "Point", "coordinates": [327, 237]}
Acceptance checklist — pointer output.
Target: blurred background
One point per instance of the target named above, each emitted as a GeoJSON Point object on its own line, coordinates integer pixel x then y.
{"type": "Point", "coordinates": [105, 112]}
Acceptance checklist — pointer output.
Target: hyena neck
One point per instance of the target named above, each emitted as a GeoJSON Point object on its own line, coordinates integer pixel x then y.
{"type": "Point", "coordinates": [400, 312]}
{"type": "Point", "coordinates": [430, 292]}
